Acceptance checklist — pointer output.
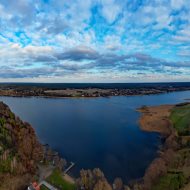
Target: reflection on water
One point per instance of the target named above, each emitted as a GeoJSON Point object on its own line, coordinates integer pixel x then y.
{"type": "Point", "coordinates": [96, 132]}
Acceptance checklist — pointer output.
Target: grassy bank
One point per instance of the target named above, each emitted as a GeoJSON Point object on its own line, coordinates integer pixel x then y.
{"type": "Point", "coordinates": [56, 179]}
{"type": "Point", "coordinates": [180, 117]}
{"type": "Point", "coordinates": [178, 174]}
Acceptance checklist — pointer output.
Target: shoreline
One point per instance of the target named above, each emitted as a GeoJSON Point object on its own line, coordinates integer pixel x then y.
{"type": "Point", "coordinates": [86, 97]}
{"type": "Point", "coordinates": [157, 119]}
{"type": "Point", "coordinates": [88, 92]}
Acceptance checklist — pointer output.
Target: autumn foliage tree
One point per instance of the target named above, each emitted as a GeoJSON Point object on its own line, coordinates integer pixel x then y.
{"type": "Point", "coordinates": [93, 180]}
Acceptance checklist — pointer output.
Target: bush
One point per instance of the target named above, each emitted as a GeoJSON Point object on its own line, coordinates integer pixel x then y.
{"type": "Point", "coordinates": [5, 166]}
{"type": "Point", "coordinates": [2, 121]}
{"type": "Point", "coordinates": [172, 181]}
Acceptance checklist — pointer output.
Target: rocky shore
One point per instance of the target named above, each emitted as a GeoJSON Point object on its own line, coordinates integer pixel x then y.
{"type": "Point", "coordinates": [29, 91]}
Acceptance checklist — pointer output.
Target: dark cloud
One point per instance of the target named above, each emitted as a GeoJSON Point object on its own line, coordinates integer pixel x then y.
{"type": "Point", "coordinates": [84, 59]}
{"type": "Point", "coordinates": [95, 60]}
{"type": "Point", "coordinates": [45, 58]}
{"type": "Point", "coordinates": [78, 54]}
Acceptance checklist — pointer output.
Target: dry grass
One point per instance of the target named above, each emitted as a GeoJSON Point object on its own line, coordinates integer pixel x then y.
{"type": "Point", "coordinates": [156, 119]}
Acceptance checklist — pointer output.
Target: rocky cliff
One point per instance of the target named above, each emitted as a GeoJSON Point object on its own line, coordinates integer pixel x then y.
{"type": "Point", "coordinates": [20, 150]}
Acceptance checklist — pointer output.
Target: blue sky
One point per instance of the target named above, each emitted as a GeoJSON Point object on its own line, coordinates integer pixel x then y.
{"type": "Point", "coordinates": [94, 40]}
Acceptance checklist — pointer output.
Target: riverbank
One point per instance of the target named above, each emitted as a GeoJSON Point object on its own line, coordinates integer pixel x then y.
{"type": "Point", "coordinates": [23, 159]}
{"type": "Point", "coordinates": [156, 119]}
{"type": "Point", "coordinates": [20, 151]}
{"type": "Point", "coordinates": [170, 168]}
{"type": "Point", "coordinates": [17, 90]}
{"type": "Point", "coordinates": [163, 156]}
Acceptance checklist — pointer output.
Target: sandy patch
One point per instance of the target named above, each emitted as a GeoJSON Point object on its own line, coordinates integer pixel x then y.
{"type": "Point", "coordinates": [68, 178]}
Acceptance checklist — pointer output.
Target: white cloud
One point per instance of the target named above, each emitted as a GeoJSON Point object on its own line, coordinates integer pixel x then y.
{"type": "Point", "coordinates": [163, 18]}
{"type": "Point", "coordinates": [184, 53]}
{"type": "Point", "coordinates": [182, 36]}
{"type": "Point", "coordinates": [4, 14]}
{"type": "Point", "coordinates": [110, 10]}
{"type": "Point", "coordinates": [112, 42]}
{"type": "Point", "coordinates": [32, 32]}
{"type": "Point", "coordinates": [178, 4]}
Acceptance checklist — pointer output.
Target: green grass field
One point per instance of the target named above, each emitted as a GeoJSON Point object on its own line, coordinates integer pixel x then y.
{"type": "Point", "coordinates": [180, 117]}
{"type": "Point", "coordinates": [57, 180]}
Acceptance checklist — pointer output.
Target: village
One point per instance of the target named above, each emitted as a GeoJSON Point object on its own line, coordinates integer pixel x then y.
{"type": "Point", "coordinates": [19, 90]}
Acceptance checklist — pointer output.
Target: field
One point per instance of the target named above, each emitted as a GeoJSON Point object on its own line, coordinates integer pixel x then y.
{"type": "Point", "coordinates": [180, 117]}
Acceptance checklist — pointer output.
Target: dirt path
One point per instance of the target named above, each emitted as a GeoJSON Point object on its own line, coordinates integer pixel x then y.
{"type": "Point", "coordinates": [45, 171]}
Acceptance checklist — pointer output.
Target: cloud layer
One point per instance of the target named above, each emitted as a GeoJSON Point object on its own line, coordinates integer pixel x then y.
{"type": "Point", "coordinates": [94, 41]}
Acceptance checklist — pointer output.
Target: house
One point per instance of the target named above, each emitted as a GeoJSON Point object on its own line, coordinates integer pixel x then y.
{"type": "Point", "coordinates": [34, 186]}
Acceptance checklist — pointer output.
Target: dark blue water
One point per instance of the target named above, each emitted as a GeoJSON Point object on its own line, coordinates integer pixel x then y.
{"type": "Point", "coordinates": [96, 132]}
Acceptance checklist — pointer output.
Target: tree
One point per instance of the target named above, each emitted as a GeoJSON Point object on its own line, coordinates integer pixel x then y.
{"type": "Point", "coordinates": [118, 184]}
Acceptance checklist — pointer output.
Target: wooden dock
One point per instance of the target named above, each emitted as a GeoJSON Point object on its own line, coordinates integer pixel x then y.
{"type": "Point", "coordinates": [69, 168]}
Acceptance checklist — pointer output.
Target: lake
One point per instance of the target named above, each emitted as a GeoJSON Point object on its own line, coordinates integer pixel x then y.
{"type": "Point", "coordinates": [96, 132]}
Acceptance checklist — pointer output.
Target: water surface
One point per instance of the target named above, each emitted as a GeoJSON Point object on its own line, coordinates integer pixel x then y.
{"type": "Point", "coordinates": [96, 132]}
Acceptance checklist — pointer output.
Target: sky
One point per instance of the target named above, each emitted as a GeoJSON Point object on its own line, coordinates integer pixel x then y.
{"type": "Point", "coordinates": [94, 40]}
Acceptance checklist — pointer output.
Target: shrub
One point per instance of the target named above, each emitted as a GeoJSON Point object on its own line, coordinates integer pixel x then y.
{"type": "Point", "coordinates": [2, 121]}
